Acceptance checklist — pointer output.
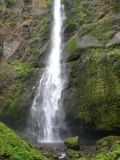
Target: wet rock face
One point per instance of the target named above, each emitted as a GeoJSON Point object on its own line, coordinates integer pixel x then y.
{"type": "Point", "coordinates": [92, 95]}
{"type": "Point", "coordinates": [24, 36]}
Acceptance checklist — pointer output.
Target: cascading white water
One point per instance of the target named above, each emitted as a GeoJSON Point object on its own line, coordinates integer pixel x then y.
{"type": "Point", "coordinates": [46, 112]}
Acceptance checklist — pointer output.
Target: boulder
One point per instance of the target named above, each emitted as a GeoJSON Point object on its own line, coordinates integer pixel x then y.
{"type": "Point", "coordinates": [115, 40]}
{"type": "Point", "coordinates": [88, 41]}
{"type": "Point", "coordinates": [72, 143]}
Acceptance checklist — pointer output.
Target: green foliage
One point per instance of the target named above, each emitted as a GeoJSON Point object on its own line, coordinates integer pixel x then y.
{"type": "Point", "coordinates": [13, 79]}
{"type": "Point", "coordinates": [79, 14]}
{"type": "Point", "coordinates": [100, 30]}
{"type": "Point", "coordinates": [23, 70]}
{"type": "Point", "coordinates": [39, 39]}
{"type": "Point", "coordinates": [97, 87]}
{"type": "Point", "coordinates": [10, 3]}
{"type": "Point", "coordinates": [72, 45]}
{"type": "Point", "coordinates": [85, 116]}
{"type": "Point", "coordinates": [108, 148]}
{"type": "Point", "coordinates": [16, 90]}
{"type": "Point", "coordinates": [115, 61]}
{"type": "Point", "coordinates": [1, 51]}
{"type": "Point", "coordinates": [73, 155]}
{"type": "Point", "coordinates": [107, 142]}
{"type": "Point", "coordinates": [116, 6]}
{"type": "Point", "coordinates": [72, 142]}
{"type": "Point", "coordinates": [42, 29]}
{"type": "Point", "coordinates": [13, 148]}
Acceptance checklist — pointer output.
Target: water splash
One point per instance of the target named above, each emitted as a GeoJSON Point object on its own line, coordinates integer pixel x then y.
{"type": "Point", "coordinates": [47, 115]}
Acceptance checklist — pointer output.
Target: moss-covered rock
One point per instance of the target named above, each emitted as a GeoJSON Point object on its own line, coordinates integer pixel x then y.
{"type": "Point", "coordinates": [13, 148]}
{"type": "Point", "coordinates": [72, 142]}
{"type": "Point", "coordinates": [73, 155]}
{"type": "Point", "coordinates": [108, 149]}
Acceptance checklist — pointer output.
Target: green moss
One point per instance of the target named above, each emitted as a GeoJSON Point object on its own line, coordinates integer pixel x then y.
{"type": "Point", "coordinates": [10, 100]}
{"type": "Point", "coordinates": [23, 70]}
{"type": "Point", "coordinates": [72, 142]}
{"type": "Point", "coordinates": [79, 14]}
{"type": "Point", "coordinates": [85, 116]}
{"type": "Point", "coordinates": [72, 45]}
{"type": "Point", "coordinates": [1, 51]}
{"type": "Point", "coordinates": [10, 3]}
{"type": "Point", "coordinates": [43, 27]}
{"type": "Point", "coordinates": [13, 79]}
{"type": "Point", "coordinates": [100, 30]}
{"type": "Point", "coordinates": [108, 142]}
{"type": "Point", "coordinates": [41, 37]}
{"type": "Point", "coordinates": [16, 89]}
{"type": "Point", "coordinates": [13, 148]}
{"type": "Point", "coordinates": [116, 6]}
{"type": "Point", "coordinates": [73, 155]}
{"type": "Point", "coordinates": [108, 148]}
{"type": "Point", "coordinates": [115, 61]}
{"type": "Point", "coordinates": [35, 39]}
{"type": "Point", "coordinates": [95, 80]}
{"type": "Point", "coordinates": [113, 155]}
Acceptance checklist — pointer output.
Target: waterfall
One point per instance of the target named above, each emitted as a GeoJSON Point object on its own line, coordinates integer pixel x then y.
{"type": "Point", "coordinates": [47, 115]}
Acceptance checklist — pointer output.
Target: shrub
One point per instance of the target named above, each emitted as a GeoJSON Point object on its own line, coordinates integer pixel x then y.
{"type": "Point", "coordinates": [116, 6]}
{"type": "Point", "coordinates": [10, 3]}
{"type": "Point", "coordinates": [23, 70]}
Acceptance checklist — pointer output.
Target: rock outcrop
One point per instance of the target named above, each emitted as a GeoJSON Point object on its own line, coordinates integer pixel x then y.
{"type": "Point", "coordinates": [24, 40]}
{"type": "Point", "coordinates": [93, 60]}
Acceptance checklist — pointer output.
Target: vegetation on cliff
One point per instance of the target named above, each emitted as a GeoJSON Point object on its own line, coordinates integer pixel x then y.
{"type": "Point", "coordinates": [10, 3]}
{"type": "Point", "coordinates": [107, 148]}
{"type": "Point", "coordinates": [93, 52]}
{"type": "Point", "coordinates": [14, 148]}
{"type": "Point", "coordinates": [24, 30]}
